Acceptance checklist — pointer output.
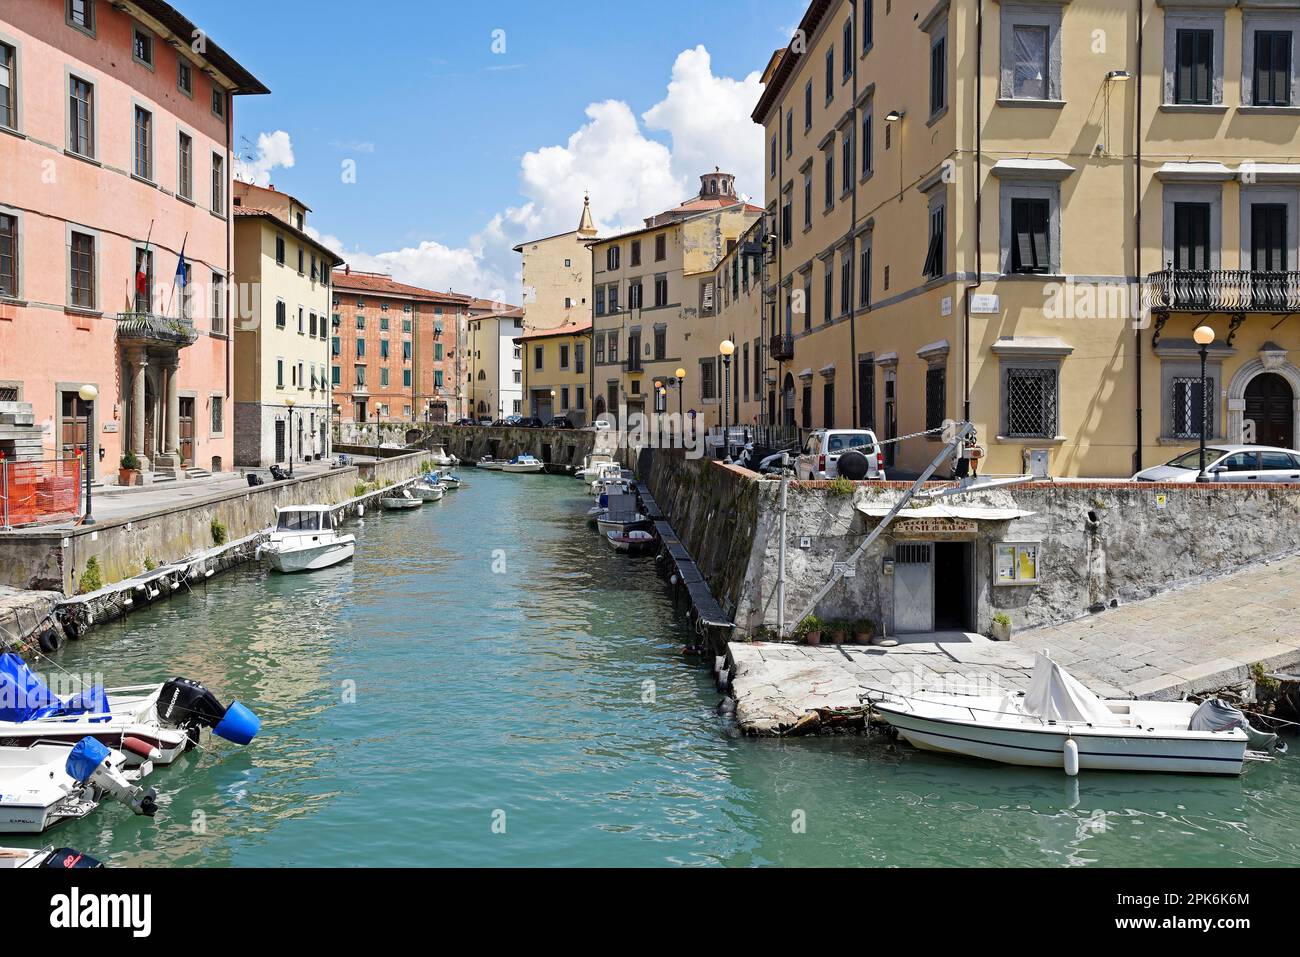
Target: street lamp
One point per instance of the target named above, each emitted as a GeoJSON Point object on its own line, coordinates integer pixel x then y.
{"type": "Point", "coordinates": [289, 402]}
{"type": "Point", "coordinates": [726, 349]}
{"type": "Point", "coordinates": [1203, 336]}
{"type": "Point", "coordinates": [88, 394]}
{"type": "Point", "coordinates": [681, 389]}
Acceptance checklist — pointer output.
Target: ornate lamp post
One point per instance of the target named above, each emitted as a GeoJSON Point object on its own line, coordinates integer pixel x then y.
{"type": "Point", "coordinates": [289, 402]}
{"type": "Point", "coordinates": [726, 349]}
{"type": "Point", "coordinates": [681, 390]}
{"type": "Point", "coordinates": [1203, 336]}
{"type": "Point", "coordinates": [88, 394]}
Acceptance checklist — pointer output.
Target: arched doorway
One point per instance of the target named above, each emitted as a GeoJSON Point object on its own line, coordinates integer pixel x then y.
{"type": "Point", "coordinates": [600, 406]}
{"type": "Point", "coordinates": [1270, 403]}
{"type": "Point", "coordinates": [787, 400]}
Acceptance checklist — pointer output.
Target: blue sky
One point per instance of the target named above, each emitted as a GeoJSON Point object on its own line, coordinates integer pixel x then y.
{"type": "Point", "coordinates": [460, 151]}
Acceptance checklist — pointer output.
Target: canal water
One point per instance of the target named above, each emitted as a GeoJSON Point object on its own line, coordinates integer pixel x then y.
{"type": "Point", "coordinates": [488, 684]}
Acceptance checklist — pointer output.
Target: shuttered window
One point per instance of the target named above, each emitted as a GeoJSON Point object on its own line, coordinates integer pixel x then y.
{"type": "Point", "coordinates": [1030, 250]}
{"type": "Point", "coordinates": [1194, 76]}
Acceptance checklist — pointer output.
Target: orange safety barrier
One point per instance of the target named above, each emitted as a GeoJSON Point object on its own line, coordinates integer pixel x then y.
{"type": "Point", "coordinates": [39, 490]}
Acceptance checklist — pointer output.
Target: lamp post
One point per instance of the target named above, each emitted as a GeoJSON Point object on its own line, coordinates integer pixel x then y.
{"type": "Point", "coordinates": [379, 439]}
{"type": "Point", "coordinates": [1203, 336]}
{"type": "Point", "coordinates": [289, 402]}
{"type": "Point", "coordinates": [88, 394]}
{"type": "Point", "coordinates": [681, 390]}
{"type": "Point", "coordinates": [552, 403]}
{"type": "Point", "coordinates": [726, 349]}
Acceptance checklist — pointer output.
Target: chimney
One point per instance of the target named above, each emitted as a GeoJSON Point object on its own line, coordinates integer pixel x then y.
{"type": "Point", "coordinates": [347, 270]}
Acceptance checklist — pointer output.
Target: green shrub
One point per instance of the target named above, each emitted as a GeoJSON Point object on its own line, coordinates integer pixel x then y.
{"type": "Point", "coordinates": [808, 625]}
{"type": "Point", "coordinates": [149, 564]}
{"type": "Point", "coordinates": [1002, 619]}
{"type": "Point", "coordinates": [841, 486]}
{"type": "Point", "coordinates": [219, 532]}
{"type": "Point", "coordinates": [130, 461]}
{"type": "Point", "coordinates": [92, 579]}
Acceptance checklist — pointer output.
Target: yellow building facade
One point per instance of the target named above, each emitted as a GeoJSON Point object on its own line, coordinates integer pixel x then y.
{"type": "Point", "coordinates": [556, 274]}
{"type": "Point", "coordinates": [557, 372]}
{"type": "Point", "coordinates": [1002, 211]}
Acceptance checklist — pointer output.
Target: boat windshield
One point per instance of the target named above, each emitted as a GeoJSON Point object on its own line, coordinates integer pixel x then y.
{"type": "Point", "coordinates": [299, 522]}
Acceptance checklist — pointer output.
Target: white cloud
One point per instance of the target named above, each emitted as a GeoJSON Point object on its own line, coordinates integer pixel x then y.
{"type": "Point", "coordinates": [629, 175]}
{"type": "Point", "coordinates": [273, 150]}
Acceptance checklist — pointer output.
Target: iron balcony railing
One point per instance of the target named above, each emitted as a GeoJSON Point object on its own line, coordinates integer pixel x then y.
{"type": "Point", "coordinates": [1223, 290]}
{"type": "Point", "coordinates": [155, 328]}
{"type": "Point", "coordinates": [782, 348]}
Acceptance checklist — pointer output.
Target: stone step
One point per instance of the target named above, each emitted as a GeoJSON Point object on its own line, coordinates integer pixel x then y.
{"type": "Point", "coordinates": [197, 473]}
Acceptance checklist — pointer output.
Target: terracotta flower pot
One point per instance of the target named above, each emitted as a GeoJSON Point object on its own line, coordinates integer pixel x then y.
{"type": "Point", "coordinates": [813, 638]}
{"type": "Point", "coordinates": [837, 637]}
{"type": "Point", "coordinates": [862, 637]}
{"type": "Point", "coordinates": [128, 476]}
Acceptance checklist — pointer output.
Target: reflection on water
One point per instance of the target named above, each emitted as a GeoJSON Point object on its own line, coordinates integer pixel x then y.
{"type": "Point", "coordinates": [487, 659]}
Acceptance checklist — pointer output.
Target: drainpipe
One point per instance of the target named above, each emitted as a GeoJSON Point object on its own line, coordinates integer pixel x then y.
{"type": "Point", "coordinates": [979, 207]}
{"type": "Point", "coordinates": [780, 573]}
{"type": "Point", "coordinates": [854, 162]}
{"type": "Point", "coordinates": [1137, 238]}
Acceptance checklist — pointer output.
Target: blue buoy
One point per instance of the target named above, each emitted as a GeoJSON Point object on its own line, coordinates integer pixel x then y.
{"type": "Point", "coordinates": [86, 755]}
{"type": "Point", "coordinates": [239, 725]}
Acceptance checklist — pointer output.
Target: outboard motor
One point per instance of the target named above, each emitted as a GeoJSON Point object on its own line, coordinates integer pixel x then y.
{"type": "Point", "coordinates": [68, 859]}
{"type": "Point", "coordinates": [1215, 714]}
{"type": "Point", "coordinates": [90, 763]}
{"type": "Point", "coordinates": [186, 704]}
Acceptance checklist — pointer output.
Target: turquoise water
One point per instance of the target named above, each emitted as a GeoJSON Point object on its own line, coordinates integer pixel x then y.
{"type": "Point", "coordinates": [488, 684]}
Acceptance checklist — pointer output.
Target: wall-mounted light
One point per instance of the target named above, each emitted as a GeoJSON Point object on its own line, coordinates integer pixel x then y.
{"type": "Point", "coordinates": [1118, 76]}
{"type": "Point", "coordinates": [893, 116]}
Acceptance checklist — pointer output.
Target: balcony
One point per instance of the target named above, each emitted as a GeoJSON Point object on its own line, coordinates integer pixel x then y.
{"type": "Point", "coordinates": [148, 327]}
{"type": "Point", "coordinates": [781, 348]}
{"type": "Point", "coordinates": [632, 365]}
{"type": "Point", "coordinates": [1223, 290]}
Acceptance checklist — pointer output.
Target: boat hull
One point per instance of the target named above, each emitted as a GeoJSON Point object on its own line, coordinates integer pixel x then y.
{"type": "Point", "coordinates": [291, 561]}
{"type": "Point", "coordinates": [427, 493]}
{"type": "Point", "coordinates": [1108, 749]}
{"type": "Point", "coordinates": [606, 525]}
{"type": "Point", "coordinates": [530, 467]}
{"type": "Point", "coordinates": [399, 504]}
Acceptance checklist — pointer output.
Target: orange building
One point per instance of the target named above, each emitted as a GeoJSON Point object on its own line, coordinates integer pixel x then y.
{"type": "Point", "coordinates": [393, 349]}
{"type": "Point", "coordinates": [119, 159]}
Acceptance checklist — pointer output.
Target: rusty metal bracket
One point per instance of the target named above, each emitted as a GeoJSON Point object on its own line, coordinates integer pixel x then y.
{"type": "Point", "coordinates": [1237, 319]}
{"type": "Point", "coordinates": [1161, 318]}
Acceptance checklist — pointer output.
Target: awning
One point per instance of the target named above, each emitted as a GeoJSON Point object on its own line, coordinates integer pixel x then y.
{"type": "Point", "coordinates": [971, 512]}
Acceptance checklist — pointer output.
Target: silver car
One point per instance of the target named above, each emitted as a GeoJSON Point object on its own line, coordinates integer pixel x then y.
{"type": "Point", "coordinates": [1229, 463]}
{"type": "Point", "coordinates": [822, 452]}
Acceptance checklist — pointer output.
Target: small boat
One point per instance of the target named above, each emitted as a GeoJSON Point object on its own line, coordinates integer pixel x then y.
{"type": "Point", "coordinates": [632, 541]}
{"type": "Point", "coordinates": [438, 455]}
{"type": "Point", "coordinates": [523, 463]}
{"type": "Point", "coordinates": [592, 466]}
{"type": "Point", "coordinates": [305, 540]}
{"type": "Point", "coordinates": [400, 501]}
{"type": "Point", "coordinates": [426, 492]}
{"type": "Point", "coordinates": [155, 722]}
{"type": "Point", "coordinates": [621, 522]}
{"type": "Point", "coordinates": [1058, 723]}
{"type": "Point", "coordinates": [491, 464]}
{"type": "Point", "coordinates": [44, 784]}
{"type": "Point", "coordinates": [615, 486]}
{"type": "Point", "coordinates": [449, 482]}
{"type": "Point", "coordinates": [57, 858]}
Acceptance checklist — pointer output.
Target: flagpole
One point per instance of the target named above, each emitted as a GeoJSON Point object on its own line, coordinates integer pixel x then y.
{"type": "Point", "coordinates": [167, 310]}
{"type": "Point", "coordinates": [147, 240]}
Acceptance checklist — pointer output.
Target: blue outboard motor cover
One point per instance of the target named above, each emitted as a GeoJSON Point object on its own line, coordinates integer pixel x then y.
{"type": "Point", "coordinates": [86, 755]}
{"type": "Point", "coordinates": [239, 725]}
{"type": "Point", "coordinates": [24, 696]}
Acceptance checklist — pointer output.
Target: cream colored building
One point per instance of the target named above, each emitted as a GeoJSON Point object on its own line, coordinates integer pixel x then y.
{"type": "Point", "coordinates": [649, 289]}
{"type": "Point", "coordinates": [953, 244]}
{"type": "Point", "coordinates": [557, 277]}
{"type": "Point", "coordinates": [494, 385]}
{"type": "Point", "coordinates": [282, 331]}
{"type": "Point", "coordinates": [557, 371]}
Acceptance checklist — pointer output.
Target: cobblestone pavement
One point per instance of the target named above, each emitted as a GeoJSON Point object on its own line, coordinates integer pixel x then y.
{"type": "Point", "coordinates": [1193, 639]}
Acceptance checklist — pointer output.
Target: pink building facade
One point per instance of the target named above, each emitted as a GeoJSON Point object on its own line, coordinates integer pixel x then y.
{"type": "Point", "coordinates": [115, 152]}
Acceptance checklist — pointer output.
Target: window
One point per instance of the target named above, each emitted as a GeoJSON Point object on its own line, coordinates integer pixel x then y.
{"type": "Point", "coordinates": [361, 348]}
{"type": "Point", "coordinates": [830, 74]}
{"type": "Point", "coordinates": [611, 258]}
{"type": "Point", "coordinates": [142, 46]}
{"type": "Point", "coordinates": [218, 102]}
{"type": "Point", "coordinates": [185, 165]}
{"type": "Point", "coordinates": [634, 294]}
{"type": "Point", "coordinates": [8, 87]}
{"type": "Point", "coordinates": [564, 398]}
{"type": "Point", "coordinates": [437, 351]}
{"type": "Point", "coordinates": [218, 184]}
{"type": "Point", "coordinates": [934, 257]}
{"type": "Point", "coordinates": [828, 291]}
{"type": "Point", "coordinates": [1030, 402]}
{"type": "Point", "coordinates": [218, 414]}
{"type": "Point", "coordinates": [789, 135]}
{"type": "Point", "coordinates": [787, 214]}
{"type": "Point", "coordinates": [864, 275]}
{"type": "Point", "coordinates": [936, 397]}
{"type": "Point", "coordinates": [82, 270]}
{"type": "Point", "coordinates": [361, 321]}
{"type": "Point", "coordinates": [8, 255]}
{"type": "Point", "coordinates": [1191, 235]}
{"type": "Point", "coordinates": [1029, 236]}
{"type": "Point", "coordinates": [437, 378]}
{"type": "Point", "coordinates": [807, 106]}
{"type": "Point", "coordinates": [219, 305]}
{"type": "Point", "coordinates": [579, 357]}
{"type": "Point", "coordinates": [847, 54]}
{"type": "Point", "coordinates": [867, 391]}
{"type": "Point", "coordinates": [867, 26]}
{"type": "Point", "coordinates": [846, 281]}
{"type": "Point", "coordinates": [1194, 69]}
{"type": "Point", "coordinates": [636, 252]}
{"type": "Point", "coordinates": [538, 356]}
{"type": "Point", "coordinates": [807, 199]}
{"type": "Point", "coordinates": [1030, 67]}
{"type": "Point", "coordinates": [143, 143]}
{"type": "Point", "coordinates": [564, 356]}
{"type": "Point", "coordinates": [81, 14]}
{"type": "Point", "coordinates": [336, 375]}
{"type": "Point", "coordinates": [868, 121]}
{"type": "Point", "coordinates": [360, 372]}
{"type": "Point", "coordinates": [143, 280]}
{"type": "Point", "coordinates": [383, 376]}
{"type": "Point", "coordinates": [279, 373]}
{"type": "Point", "coordinates": [1272, 68]}
{"type": "Point", "coordinates": [828, 404]}
{"type": "Point", "coordinates": [846, 159]}
{"type": "Point", "coordinates": [280, 314]}
{"type": "Point", "coordinates": [336, 346]}
{"type": "Point", "coordinates": [279, 250]}
{"type": "Point", "coordinates": [772, 159]}
{"type": "Point", "coordinates": [708, 378]}
{"type": "Point", "coordinates": [611, 298]}
{"type": "Point", "coordinates": [184, 75]}
{"type": "Point", "coordinates": [600, 300]}
{"type": "Point", "coordinates": [613, 347]}
{"type": "Point", "coordinates": [383, 348]}
{"type": "Point", "coordinates": [661, 344]}
{"type": "Point", "coordinates": [829, 163]}
{"type": "Point", "coordinates": [1268, 237]}
{"type": "Point", "coordinates": [1189, 407]}
{"type": "Point", "coordinates": [661, 291]}
{"type": "Point", "coordinates": [806, 394]}
{"type": "Point", "coordinates": [302, 262]}
{"type": "Point", "coordinates": [406, 378]}
{"type": "Point", "coordinates": [406, 352]}
{"type": "Point", "coordinates": [81, 117]}
{"type": "Point", "coordinates": [600, 349]}
{"type": "Point", "coordinates": [302, 322]}
{"type": "Point", "coordinates": [661, 247]}
{"type": "Point", "coordinates": [938, 75]}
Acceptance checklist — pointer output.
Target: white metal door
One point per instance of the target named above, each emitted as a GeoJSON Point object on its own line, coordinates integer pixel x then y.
{"type": "Point", "coordinates": [913, 587]}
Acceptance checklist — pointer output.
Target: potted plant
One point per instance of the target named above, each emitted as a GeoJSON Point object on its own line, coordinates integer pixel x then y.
{"type": "Point", "coordinates": [838, 630]}
{"type": "Point", "coordinates": [1001, 627]}
{"type": "Point", "coordinates": [863, 630]}
{"type": "Point", "coordinates": [810, 630]}
{"type": "Point", "coordinates": [128, 472]}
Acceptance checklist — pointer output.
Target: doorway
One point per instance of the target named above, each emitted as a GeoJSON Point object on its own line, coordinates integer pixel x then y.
{"type": "Point", "coordinates": [933, 587]}
{"type": "Point", "coordinates": [952, 593]}
{"type": "Point", "coordinates": [891, 419]}
{"type": "Point", "coordinates": [279, 440]}
{"type": "Point", "coordinates": [1270, 406]}
{"type": "Point", "coordinates": [187, 430]}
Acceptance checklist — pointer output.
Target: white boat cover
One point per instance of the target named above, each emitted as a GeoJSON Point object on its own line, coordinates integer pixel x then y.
{"type": "Point", "coordinates": [1055, 695]}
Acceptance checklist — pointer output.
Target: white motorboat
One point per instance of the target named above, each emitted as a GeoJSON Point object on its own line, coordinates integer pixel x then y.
{"type": "Point", "coordinates": [427, 492]}
{"type": "Point", "coordinates": [449, 482]}
{"type": "Point", "coordinates": [594, 465]}
{"type": "Point", "coordinates": [155, 722]}
{"type": "Point", "coordinates": [523, 463]}
{"type": "Point", "coordinates": [438, 455]}
{"type": "Point", "coordinates": [44, 784]}
{"type": "Point", "coordinates": [633, 541]}
{"type": "Point", "coordinates": [491, 464]}
{"type": "Point", "coordinates": [1058, 723]}
{"type": "Point", "coordinates": [616, 486]}
{"type": "Point", "coordinates": [620, 522]}
{"type": "Point", "coordinates": [305, 540]}
{"type": "Point", "coordinates": [400, 501]}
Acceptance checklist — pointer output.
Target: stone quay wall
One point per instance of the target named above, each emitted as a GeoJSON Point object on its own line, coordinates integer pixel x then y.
{"type": "Point", "coordinates": [1101, 544]}
{"type": "Point", "coordinates": [561, 449]}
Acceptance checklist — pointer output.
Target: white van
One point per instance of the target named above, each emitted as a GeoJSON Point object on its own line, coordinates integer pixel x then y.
{"type": "Point", "coordinates": [821, 454]}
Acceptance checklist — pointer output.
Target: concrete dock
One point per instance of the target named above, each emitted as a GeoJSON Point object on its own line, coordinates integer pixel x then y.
{"type": "Point", "coordinates": [1192, 640]}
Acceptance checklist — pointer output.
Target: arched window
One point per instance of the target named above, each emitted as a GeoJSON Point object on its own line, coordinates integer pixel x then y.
{"type": "Point", "coordinates": [482, 375]}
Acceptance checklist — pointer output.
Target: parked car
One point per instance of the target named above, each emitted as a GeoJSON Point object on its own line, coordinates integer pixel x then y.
{"type": "Point", "coordinates": [464, 421]}
{"type": "Point", "coordinates": [560, 422]}
{"type": "Point", "coordinates": [531, 422]}
{"type": "Point", "coordinates": [500, 424]}
{"type": "Point", "coordinates": [602, 424]}
{"type": "Point", "coordinates": [1229, 463]}
{"type": "Point", "coordinates": [514, 420]}
{"type": "Point", "coordinates": [830, 453]}
{"type": "Point", "coordinates": [484, 420]}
